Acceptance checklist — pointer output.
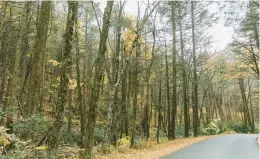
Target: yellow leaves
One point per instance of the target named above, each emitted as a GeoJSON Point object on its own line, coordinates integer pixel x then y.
{"type": "Point", "coordinates": [72, 84]}
{"type": "Point", "coordinates": [3, 138]}
{"type": "Point", "coordinates": [106, 80]}
{"type": "Point", "coordinates": [4, 141]}
{"type": "Point", "coordinates": [129, 37]}
{"type": "Point", "coordinates": [41, 148]}
{"type": "Point", "coordinates": [124, 141]}
{"type": "Point", "coordinates": [53, 62]}
{"type": "Point", "coordinates": [237, 70]}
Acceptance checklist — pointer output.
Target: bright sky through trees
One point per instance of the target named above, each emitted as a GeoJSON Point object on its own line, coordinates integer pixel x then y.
{"type": "Point", "coordinates": [221, 34]}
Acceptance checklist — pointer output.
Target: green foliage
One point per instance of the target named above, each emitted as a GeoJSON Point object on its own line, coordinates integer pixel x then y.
{"type": "Point", "coordinates": [13, 155]}
{"type": "Point", "coordinates": [99, 134]}
{"type": "Point", "coordinates": [12, 147]}
{"type": "Point", "coordinates": [181, 130]}
{"type": "Point", "coordinates": [220, 127]}
{"type": "Point", "coordinates": [73, 137]}
{"type": "Point", "coordinates": [231, 125]}
{"type": "Point", "coordinates": [36, 125]}
{"type": "Point", "coordinates": [203, 131]}
{"type": "Point", "coordinates": [211, 129]}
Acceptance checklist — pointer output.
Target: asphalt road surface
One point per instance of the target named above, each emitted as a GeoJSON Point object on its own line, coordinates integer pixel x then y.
{"type": "Point", "coordinates": [238, 146]}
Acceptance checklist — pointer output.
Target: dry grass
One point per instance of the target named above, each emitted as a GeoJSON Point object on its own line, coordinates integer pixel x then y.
{"type": "Point", "coordinates": [151, 150]}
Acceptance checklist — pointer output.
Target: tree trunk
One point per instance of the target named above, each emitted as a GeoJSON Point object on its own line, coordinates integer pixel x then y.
{"type": "Point", "coordinates": [244, 103]}
{"type": "Point", "coordinates": [135, 93]}
{"type": "Point", "coordinates": [95, 90]}
{"type": "Point", "coordinates": [80, 100]}
{"type": "Point", "coordinates": [36, 77]}
{"type": "Point", "coordinates": [195, 82]}
{"type": "Point", "coordinates": [159, 112]}
{"type": "Point", "coordinates": [184, 79]}
{"type": "Point", "coordinates": [168, 94]}
{"type": "Point", "coordinates": [64, 77]}
{"type": "Point", "coordinates": [174, 73]}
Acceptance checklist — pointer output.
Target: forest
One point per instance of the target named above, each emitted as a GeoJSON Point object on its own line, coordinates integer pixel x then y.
{"type": "Point", "coordinates": [94, 76]}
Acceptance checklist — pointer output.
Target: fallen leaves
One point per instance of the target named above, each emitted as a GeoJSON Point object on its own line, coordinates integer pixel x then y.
{"type": "Point", "coordinates": [153, 152]}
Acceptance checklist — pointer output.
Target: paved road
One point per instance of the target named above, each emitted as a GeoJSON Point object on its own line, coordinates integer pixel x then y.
{"type": "Point", "coordinates": [239, 146]}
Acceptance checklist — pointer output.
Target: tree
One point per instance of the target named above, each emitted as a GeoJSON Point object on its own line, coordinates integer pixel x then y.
{"type": "Point", "coordinates": [64, 76]}
{"type": "Point", "coordinates": [174, 72]}
{"type": "Point", "coordinates": [94, 96]}
{"type": "Point", "coordinates": [34, 101]}
{"type": "Point", "coordinates": [79, 87]}
{"type": "Point", "coordinates": [184, 77]}
{"type": "Point", "coordinates": [195, 82]}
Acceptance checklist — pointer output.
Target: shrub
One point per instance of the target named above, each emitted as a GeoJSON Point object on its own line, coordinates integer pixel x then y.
{"type": "Point", "coordinates": [212, 128]}
{"type": "Point", "coordinates": [203, 131]}
{"type": "Point", "coordinates": [99, 134]}
{"type": "Point", "coordinates": [72, 138]}
{"type": "Point", "coordinates": [11, 147]}
{"type": "Point", "coordinates": [124, 141]}
{"type": "Point", "coordinates": [30, 128]}
{"type": "Point", "coordinates": [239, 127]}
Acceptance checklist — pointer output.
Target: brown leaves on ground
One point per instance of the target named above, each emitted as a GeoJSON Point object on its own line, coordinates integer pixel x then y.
{"type": "Point", "coordinates": [229, 132]}
{"type": "Point", "coordinates": [153, 152]}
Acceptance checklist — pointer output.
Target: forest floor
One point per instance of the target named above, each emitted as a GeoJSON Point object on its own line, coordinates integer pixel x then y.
{"type": "Point", "coordinates": [151, 150]}
{"type": "Point", "coordinates": [145, 150]}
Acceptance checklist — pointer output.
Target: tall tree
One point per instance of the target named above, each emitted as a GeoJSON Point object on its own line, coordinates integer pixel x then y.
{"type": "Point", "coordinates": [13, 79]}
{"type": "Point", "coordinates": [184, 76]}
{"type": "Point", "coordinates": [34, 101]}
{"type": "Point", "coordinates": [195, 82]}
{"type": "Point", "coordinates": [95, 90]}
{"type": "Point", "coordinates": [65, 70]}
{"type": "Point", "coordinates": [168, 93]}
{"type": "Point", "coordinates": [79, 87]}
{"type": "Point", "coordinates": [174, 72]}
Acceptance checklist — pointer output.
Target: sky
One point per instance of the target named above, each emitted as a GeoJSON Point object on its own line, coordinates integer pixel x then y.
{"type": "Point", "coordinates": [221, 35]}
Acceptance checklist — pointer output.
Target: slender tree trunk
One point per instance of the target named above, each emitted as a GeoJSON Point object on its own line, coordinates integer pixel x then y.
{"type": "Point", "coordinates": [36, 78]}
{"type": "Point", "coordinates": [80, 100]}
{"type": "Point", "coordinates": [145, 117]}
{"type": "Point", "coordinates": [95, 90]}
{"type": "Point", "coordinates": [70, 110]}
{"type": "Point", "coordinates": [195, 82]}
{"type": "Point", "coordinates": [116, 72]}
{"type": "Point", "coordinates": [159, 113]}
{"type": "Point", "coordinates": [174, 73]}
{"type": "Point", "coordinates": [124, 109]}
{"type": "Point", "coordinates": [4, 5]}
{"type": "Point", "coordinates": [184, 79]}
{"type": "Point", "coordinates": [135, 93]}
{"type": "Point", "coordinates": [250, 105]}
{"type": "Point", "coordinates": [244, 103]}
{"type": "Point", "coordinates": [64, 77]}
{"type": "Point", "coordinates": [168, 94]}
{"type": "Point", "coordinates": [128, 102]}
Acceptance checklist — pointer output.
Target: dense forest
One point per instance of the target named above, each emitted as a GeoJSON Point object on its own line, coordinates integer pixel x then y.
{"type": "Point", "coordinates": [78, 74]}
